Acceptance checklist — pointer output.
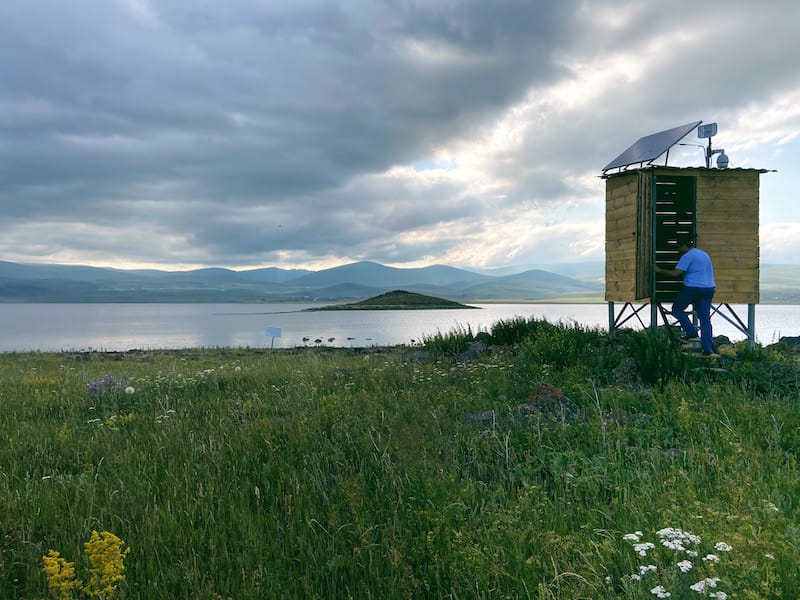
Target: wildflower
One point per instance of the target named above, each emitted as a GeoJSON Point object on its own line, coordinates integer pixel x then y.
{"type": "Point", "coordinates": [636, 577]}
{"type": "Point", "coordinates": [711, 558]}
{"type": "Point", "coordinates": [672, 534]}
{"type": "Point", "coordinates": [769, 556]}
{"type": "Point", "coordinates": [660, 592]}
{"type": "Point", "coordinates": [61, 580]}
{"type": "Point", "coordinates": [94, 388]}
{"type": "Point", "coordinates": [700, 586]}
{"type": "Point", "coordinates": [237, 369]}
{"type": "Point", "coordinates": [644, 569]}
{"type": "Point", "coordinates": [632, 537]}
{"type": "Point", "coordinates": [685, 566]}
{"type": "Point", "coordinates": [718, 595]}
{"type": "Point", "coordinates": [106, 556]}
{"type": "Point", "coordinates": [723, 547]}
{"type": "Point", "coordinates": [129, 390]}
{"type": "Point", "coordinates": [642, 549]}
{"type": "Point", "coordinates": [673, 545]}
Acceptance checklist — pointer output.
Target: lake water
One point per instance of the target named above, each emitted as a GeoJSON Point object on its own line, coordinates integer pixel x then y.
{"type": "Point", "coordinates": [119, 327]}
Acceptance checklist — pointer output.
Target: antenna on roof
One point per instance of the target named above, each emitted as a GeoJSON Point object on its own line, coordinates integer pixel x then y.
{"type": "Point", "coordinates": [709, 130]}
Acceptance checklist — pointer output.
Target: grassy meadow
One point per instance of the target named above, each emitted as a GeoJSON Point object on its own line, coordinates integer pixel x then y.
{"type": "Point", "coordinates": [535, 460]}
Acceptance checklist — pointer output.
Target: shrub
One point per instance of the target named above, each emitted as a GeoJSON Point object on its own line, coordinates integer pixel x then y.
{"type": "Point", "coordinates": [657, 358]}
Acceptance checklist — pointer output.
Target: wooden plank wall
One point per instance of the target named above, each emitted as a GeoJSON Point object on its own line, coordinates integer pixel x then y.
{"type": "Point", "coordinates": [727, 228]}
{"type": "Point", "coordinates": [646, 204]}
{"type": "Point", "coordinates": [621, 201]}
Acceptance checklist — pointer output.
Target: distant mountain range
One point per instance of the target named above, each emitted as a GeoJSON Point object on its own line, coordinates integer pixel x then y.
{"type": "Point", "coordinates": [577, 282]}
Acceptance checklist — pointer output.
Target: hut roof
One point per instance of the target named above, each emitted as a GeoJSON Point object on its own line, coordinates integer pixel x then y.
{"type": "Point", "coordinates": [687, 170]}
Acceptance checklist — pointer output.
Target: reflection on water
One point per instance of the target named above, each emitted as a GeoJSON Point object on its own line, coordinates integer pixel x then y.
{"type": "Point", "coordinates": [114, 327]}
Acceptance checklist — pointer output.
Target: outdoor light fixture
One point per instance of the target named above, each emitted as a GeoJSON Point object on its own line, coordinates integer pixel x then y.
{"type": "Point", "coordinates": [708, 131]}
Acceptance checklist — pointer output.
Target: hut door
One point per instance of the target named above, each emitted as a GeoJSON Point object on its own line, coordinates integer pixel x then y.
{"type": "Point", "coordinates": [644, 236]}
{"type": "Point", "coordinates": [675, 215]}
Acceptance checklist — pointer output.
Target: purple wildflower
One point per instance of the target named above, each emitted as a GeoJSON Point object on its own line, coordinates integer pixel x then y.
{"type": "Point", "coordinates": [107, 383]}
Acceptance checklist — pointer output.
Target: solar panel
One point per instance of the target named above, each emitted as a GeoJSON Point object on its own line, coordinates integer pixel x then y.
{"type": "Point", "coordinates": [650, 147]}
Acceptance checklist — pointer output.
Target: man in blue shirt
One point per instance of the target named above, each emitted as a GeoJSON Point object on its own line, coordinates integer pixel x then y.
{"type": "Point", "coordinates": [698, 289]}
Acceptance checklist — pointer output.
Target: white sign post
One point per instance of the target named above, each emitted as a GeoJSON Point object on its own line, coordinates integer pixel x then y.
{"type": "Point", "coordinates": [273, 332]}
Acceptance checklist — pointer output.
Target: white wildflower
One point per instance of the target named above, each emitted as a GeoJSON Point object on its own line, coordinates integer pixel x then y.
{"type": "Point", "coordinates": [700, 586]}
{"type": "Point", "coordinates": [672, 534]}
{"type": "Point", "coordinates": [718, 595]}
{"type": "Point", "coordinates": [642, 548]}
{"type": "Point", "coordinates": [632, 537]}
{"type": "Point", "coordinates": [691, 554]}
{"type": "Point", "coordinates": [685, 566]}
{"type": "Point", "coordinates": [673, 545]}
{"type": "Point", "coordinates": [636, 577]}
{"type": "Point", "coordinates": [770, 556]}
{"type": "Point", "coordinates": [667, 532]}
{"type": "Point", "coordinates": [660, 592]}
{"type": "Point", "coordinates": [129, 390]}
{"type": "Point", "coordinates": [644, 569]}
{"type": "Point", "coordinates": [723, 547]}
{"type": "Point", "coordinates": [711, 558]}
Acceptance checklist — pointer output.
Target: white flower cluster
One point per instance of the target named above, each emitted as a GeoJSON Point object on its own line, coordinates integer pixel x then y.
{"type": "Point", "coordinates": [633, 537]}
{"type": "Point", "coordinates": [660, 592]}
{"type": "Point", "coordinates": [722, 547]}
{"type": "Point", "coordinates": [674, 539]}
{"type": "Point", "coordinates": [642, 548]}
{"type": "Point", "coordinates": [679, 541]}
{"type": "Point", "coordinates": [685, 566]}
{"type": "Point", "coordinates": [644, 569]}
{"type": "Point", "coordinates": [701, 586]}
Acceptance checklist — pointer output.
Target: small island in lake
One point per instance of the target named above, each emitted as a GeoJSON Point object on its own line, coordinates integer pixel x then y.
{"type": "Point", "coordinates": [398, 300]}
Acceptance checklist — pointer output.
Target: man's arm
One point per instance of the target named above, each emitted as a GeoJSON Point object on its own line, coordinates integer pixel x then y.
{"type": "Point", "coordinates": [670, 272]}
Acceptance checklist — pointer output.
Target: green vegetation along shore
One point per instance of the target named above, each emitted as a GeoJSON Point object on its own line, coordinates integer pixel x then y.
{"type": "Point", "coordinates": [535, 460]}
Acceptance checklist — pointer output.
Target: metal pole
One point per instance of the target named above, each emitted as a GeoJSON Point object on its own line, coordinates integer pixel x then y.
{"type": "Point", "coordinates": [611, 319]}
{"type": "Point", "coordinates": [751, 325]}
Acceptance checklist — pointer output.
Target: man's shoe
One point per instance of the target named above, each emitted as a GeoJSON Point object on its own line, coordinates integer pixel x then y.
{"type": "Point", "coordinates": [688, 339]}
{"type": "Point", "coordinates": [711, 355]}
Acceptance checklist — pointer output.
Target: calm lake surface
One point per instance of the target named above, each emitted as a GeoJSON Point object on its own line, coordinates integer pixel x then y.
{"type": "Point", "coordinates": [119, 327]}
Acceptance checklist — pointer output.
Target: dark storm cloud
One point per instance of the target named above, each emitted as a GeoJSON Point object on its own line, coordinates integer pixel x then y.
{"type": "Point", "coordinates": [233, 131]}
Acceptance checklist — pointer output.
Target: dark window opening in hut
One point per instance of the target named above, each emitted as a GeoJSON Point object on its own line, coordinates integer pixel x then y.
{"type": "Point", "coordinates": [675, 216]}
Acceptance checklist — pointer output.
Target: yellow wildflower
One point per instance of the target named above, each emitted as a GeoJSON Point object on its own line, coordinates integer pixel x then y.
{"type": "Point", "coordinates": [106, 556]}
{"type": "Point", "coordinates": [60, 573]}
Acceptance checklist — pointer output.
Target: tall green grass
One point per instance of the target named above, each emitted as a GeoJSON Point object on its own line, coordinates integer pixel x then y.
{"type": "Point", "coordinates": [322, 473]}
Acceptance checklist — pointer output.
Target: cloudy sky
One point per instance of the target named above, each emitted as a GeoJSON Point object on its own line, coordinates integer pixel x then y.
{"type": "Point", "coordinates": [294, 133]}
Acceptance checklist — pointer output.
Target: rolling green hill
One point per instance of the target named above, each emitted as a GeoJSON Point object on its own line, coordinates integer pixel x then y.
{"type": "Point", "coordinates": [398, 300]}
{"type": "Point", "coordinates": [780, 284]}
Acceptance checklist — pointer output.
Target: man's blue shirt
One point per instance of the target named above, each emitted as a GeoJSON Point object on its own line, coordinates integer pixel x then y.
{"type": "Point", "coordinates": [698, 269]}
